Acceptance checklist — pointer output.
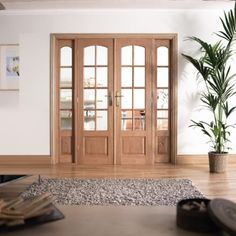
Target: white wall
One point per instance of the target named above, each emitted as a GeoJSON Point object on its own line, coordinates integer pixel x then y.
{"type": "Point", "coordinates": [25, 115]}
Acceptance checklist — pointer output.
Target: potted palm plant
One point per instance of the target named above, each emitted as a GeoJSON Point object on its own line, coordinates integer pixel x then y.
{"type": "Point", "coordinates": [215, 72]}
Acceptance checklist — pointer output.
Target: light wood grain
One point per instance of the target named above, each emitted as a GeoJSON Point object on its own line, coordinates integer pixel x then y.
{"type": "Point", "coordinates": [212, 185]}
{"type": "Point", "coordinates": [25, 159]}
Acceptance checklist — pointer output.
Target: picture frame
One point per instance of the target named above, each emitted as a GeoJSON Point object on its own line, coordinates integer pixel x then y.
{"type": "Point", "coordinates": [9, 67]}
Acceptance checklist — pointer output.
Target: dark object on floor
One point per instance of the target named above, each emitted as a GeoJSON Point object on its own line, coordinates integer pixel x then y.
{"type": "Point", "coordinates": [7, 178]}
{"type": "Point", "coordinates": [223, 213]}
{"type": "Point", "coordinates": [53, 216]}
{"type": "Point", "coordinates": [2, 7]}
{"type": "Point", "coordinates": [219, 215]}
{"type": "Point", "coordinates": [191, 218]}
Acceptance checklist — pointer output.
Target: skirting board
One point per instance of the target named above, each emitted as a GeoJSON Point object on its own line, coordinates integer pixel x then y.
{"type": "Point", "coordinates": [25, 160]}
{"type": "Point", "coordinates": [199, 159]}
{"type": "Point", "coordinates": [46, 160]}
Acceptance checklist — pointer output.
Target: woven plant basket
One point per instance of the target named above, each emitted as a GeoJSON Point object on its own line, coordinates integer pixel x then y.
{"type": "Point", "coordinates": [218, 162]}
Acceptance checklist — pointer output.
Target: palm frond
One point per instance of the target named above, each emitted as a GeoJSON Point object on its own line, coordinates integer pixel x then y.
{"type": "Point", "coordinates": [229, 25]}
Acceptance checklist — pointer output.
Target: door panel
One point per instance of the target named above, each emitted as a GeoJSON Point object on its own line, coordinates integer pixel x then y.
{"type": "Point", "coordinates": [95, 87]}
{"type": "Point", "coordinates": [66, 147]}
{"type": "Point", "coordinates": [133, 101]}
{"type": "Point", "coordinates": [134, 145]}
{"type": "Point", "coordinates": [95, 146]}
{"type": "Point", "coordinates": [65, 96]}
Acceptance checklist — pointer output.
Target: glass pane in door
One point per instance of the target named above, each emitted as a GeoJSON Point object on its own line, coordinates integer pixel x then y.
{"type": "Point", "coordinates": [66, 56]}
{"type": "Point", "coordinates": [95, 88]}
{"type": "Point", "coordinates": [126, 55]}
{"type": "Point", "coordinates": [139, 99]}
{"type": "Point", "coordinates": [162, 77]}
{"type": "Point", "coordinates": [102, 55]}
{"type": "Point", "coordinates": [133, 79]}
{"type": "Point", "coordinates": [66, 98]}
{"type": "Point", "coordinates": [101, 120]}
{"type": "Point", "coordinates": [89, 120]}
{"type": "Point", "coordinates": [162, 98]}
{"type": "Point", "coordinates": [66, 120]}
{"type": "Point", "coordinates": [126, 99]}
{"type": "Point", "coordinates": [89, 55]}
{"type": "Point", "coordinates": [139, 77]}
{"type": "Point", "coordinates": [89, 98]}
{"type": "Point", "coordinates": [126, 120]}
{"type": "Point", "coordinates": [126, 76]}
{"type": "Point", "coordinates": [102, 77]}
{"type": "Point", "coordinates": [89, 77]}
{"type": "Point", "coordinates": [162, 56]}
{"type": "Point", "coordinates": [66, 77]}
{"type": "Point", "coordinates": [101, 99]}
{"type": "Point", "coordinates": [162, 85]}
{"type": "Point", "coordinates": [139, 120]}
{"type": "Point", "coordinates": [139, 55]}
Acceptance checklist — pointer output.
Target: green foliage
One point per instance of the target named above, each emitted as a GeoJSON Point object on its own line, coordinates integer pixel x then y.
{"type": "Point", "coordinates": [214, 69]}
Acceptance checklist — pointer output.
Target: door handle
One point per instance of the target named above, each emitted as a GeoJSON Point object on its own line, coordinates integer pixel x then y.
{"type": "Point", "coordinates": [118, 100]}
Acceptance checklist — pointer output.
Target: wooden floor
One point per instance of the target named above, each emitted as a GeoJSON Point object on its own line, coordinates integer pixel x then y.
{"type": "Point", "coordinates": [212, 185]}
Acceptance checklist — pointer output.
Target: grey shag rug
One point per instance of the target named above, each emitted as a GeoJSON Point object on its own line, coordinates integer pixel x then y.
{"type": "Point", "coordinates": [126, 192]}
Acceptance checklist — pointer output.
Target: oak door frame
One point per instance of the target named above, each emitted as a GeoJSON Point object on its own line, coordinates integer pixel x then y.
{"type": "Point", "coordinates": [173, 85]}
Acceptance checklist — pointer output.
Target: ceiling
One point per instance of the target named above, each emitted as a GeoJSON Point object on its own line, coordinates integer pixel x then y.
{"type": "Point", "coordinates": [114, 4]}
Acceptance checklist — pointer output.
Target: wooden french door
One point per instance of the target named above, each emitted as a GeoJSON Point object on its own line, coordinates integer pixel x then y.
{"type": "Point", "coordinates": [133, 101]}
{"type": "Point", "coordinates": [122, 108]}
{"type": "Point", "coordinates": [95, 104]}
{"type": "Point", "coordinates": [116, 101]}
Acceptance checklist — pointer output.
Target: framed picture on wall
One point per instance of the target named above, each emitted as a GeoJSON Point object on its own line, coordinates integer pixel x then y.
{"type": "Point", "coordinates": [9, 67]}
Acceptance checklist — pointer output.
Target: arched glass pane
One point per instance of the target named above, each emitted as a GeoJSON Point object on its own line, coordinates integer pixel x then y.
{"type": "Point", "coordinates": [139, 56]}
{"type": "Point", "coordinates": [162, 56]}
{"type": "Point", "coordinates": [126, 55]}
{"type": "Point", "coordinates": [102, 55]}
{"type": "Point", "coordinates": [66, 56]}
{"type": "Point", "coordinates": [89, 55]}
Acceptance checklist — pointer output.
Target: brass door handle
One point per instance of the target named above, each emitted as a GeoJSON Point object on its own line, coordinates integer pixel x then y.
{"type": "Point", "coordinates": [118, 100]}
